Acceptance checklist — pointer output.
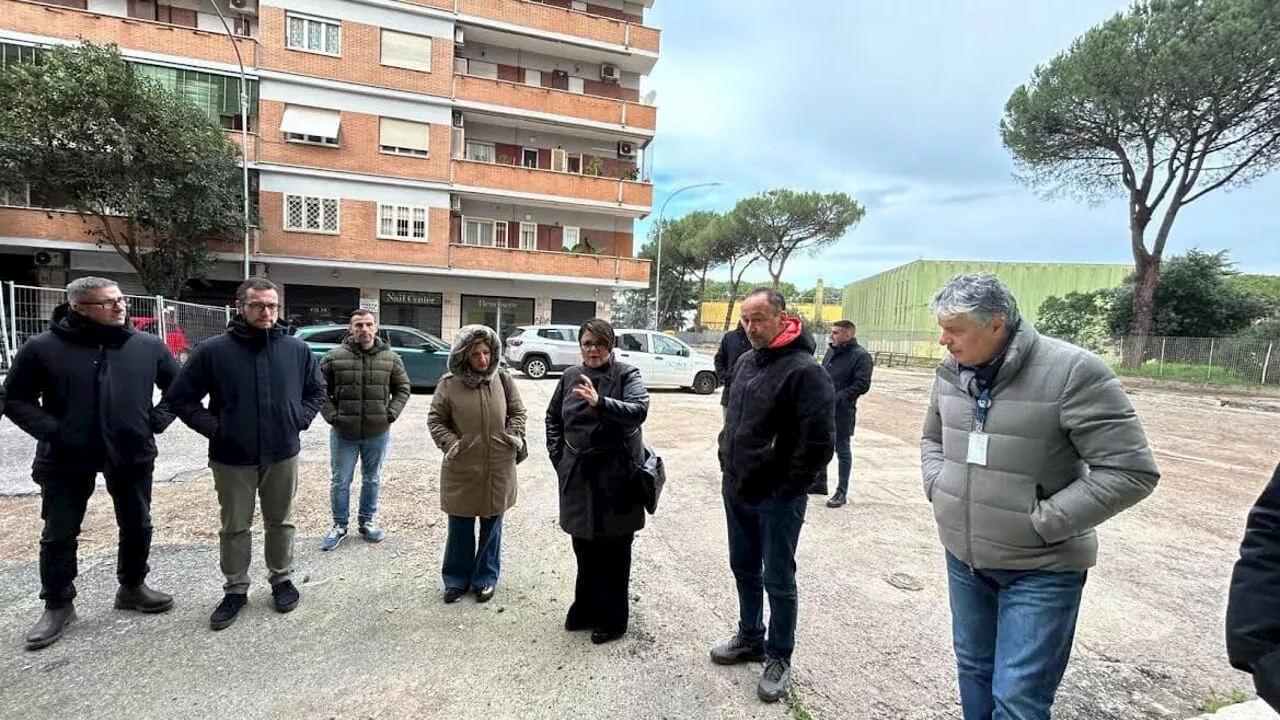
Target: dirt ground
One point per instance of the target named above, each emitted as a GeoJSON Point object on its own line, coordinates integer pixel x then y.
{"type": "Point", "coordinates": [1149, 643]}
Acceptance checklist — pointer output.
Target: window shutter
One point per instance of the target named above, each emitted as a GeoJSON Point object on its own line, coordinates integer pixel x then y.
{"type": "Point", "coordinates": [404, 134]}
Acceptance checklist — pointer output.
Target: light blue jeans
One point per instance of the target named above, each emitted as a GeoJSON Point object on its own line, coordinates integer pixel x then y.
{"type": "Point", "coordinates": [343, 454]}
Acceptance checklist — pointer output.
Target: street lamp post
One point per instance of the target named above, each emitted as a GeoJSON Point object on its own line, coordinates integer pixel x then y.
{"type": "Point", "coordinates": [244, 129]}
{"type": "Point", "coordinates": [657, 278]}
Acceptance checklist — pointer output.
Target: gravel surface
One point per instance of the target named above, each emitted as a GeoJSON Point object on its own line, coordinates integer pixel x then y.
{"type": "Point", "coordinates": [372, 639]}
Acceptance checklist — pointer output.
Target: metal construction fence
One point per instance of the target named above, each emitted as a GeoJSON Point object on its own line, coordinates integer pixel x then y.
{"type": "Point", "coordinates": [1233, 361]}
{"type": "Point", "coordinates": [25, 312]}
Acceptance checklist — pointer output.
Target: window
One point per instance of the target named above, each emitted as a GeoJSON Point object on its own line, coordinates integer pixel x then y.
{"type": "Point", "coordinates": [142, 9]}
{"type": "Point", "coordinates": [217, 96]}
{"type": "Point", "coordinates": [402, 50]}
{"type": "Point", "coordinates": [533, 77]}
{"type": "Point", "coordinates": [304, 213]}
{"type": "Point", "coordinates": [330, 337]}
{"type": "Point", "coordinates": [664, 345]}
{"type": "Point", "coordinates": [314, 35]}
{"type": "Point", "coordinates": [401, 137]}
{"type": "Point", "coordinates": [575, 163]}
{"type": "Point", "coordinates": [480, 152]}
{"type": "Point", "coordinates": [405, 339]}
{"type": "Point", "coordinates": [528, 236]}
{"type": "Point", "coordinates": [15, 197]}
{"type": "Point", "coordinates": [529, 157]}
{"type": "Point", "coordinates": [577, 85]}
{"type": "Point", "coordinates": [554, 334]}
{"type": "Point", "coordinates": [74, 4]}
{"type": "Point", "coordinates": [402, 222]}
{"type": "Point", "coordinates": [485, 233]}
{"type": "Point", "coordinates": [10, 53]}
{"type": "Point", "coordinates": [634, 342]}
{"type": "Point", "coordinates": [479, 68]}
{"type": "Point", "coordinates": [571, 237]}
{"type": "Point", "coordinates": [559, 159]}
{"type": "Point", "coordinates": [310, 125]}
{"type": "Point", "coordinates": [176, 16]}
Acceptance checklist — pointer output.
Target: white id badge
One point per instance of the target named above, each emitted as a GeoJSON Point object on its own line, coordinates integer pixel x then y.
{"type": "Point", "coordinates": [978, 448]}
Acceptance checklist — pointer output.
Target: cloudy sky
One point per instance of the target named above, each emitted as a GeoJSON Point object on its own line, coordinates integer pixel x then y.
{"type": "Point", "coordinates": [898, 105]}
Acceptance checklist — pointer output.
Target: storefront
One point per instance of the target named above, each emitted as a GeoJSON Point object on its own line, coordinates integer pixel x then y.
{"type": "Point", "coordinates": [318, 304]}
{"type": "Point", "coordinates": [421, 310]}
{"type": "Point", "coordinates": [500, 313]}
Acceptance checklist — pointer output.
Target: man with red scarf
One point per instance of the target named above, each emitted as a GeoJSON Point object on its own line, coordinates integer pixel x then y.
{"type": "Point", "coordinates": [779, 433]}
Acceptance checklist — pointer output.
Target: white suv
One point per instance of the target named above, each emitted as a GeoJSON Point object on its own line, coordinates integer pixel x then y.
{"type": "Point", "coordinates": [664, 360]}
{"type": "Point", "coordinates": [541, 349]}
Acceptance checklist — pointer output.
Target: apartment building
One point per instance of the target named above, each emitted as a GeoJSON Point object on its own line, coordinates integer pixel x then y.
{"type": "Point", "coordinates": [443, 162]}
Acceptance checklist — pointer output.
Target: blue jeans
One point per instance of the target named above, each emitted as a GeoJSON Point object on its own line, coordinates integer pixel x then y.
{"type": "Point", "coordinates": [762, 553]}
{"type": "Point", "coordinates": [1012, 631]}
{"type": "Point", "coordinates": [343, 454]}
{"type": "Point", "coordinates": [465, 564]}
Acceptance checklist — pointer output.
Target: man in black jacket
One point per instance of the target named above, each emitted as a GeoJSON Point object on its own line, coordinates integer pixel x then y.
{"type": "Point", "coordinates": [264, 389]}
{"type": "Point", "coordinates": [849, 365]}
{"type": "Point", "coordinates": [1253, 607]}
{"type": "Point", "coordinates": [83, 389]}
{"type": "Point", "coordinates": [732, 346]}
{"type": "Point", "coordinates": [778, 434]}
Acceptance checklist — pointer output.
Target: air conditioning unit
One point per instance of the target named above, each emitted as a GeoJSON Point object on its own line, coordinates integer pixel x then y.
{"type": "Point", "coordinates": [245, 6]}
{"type": "Point", "coordinates": [560, 74]}
{"type": "Point", "coordinates": [626, 149]}
{"type": "Point", "coordinates": [459, 37]}
{"type": "Point", "coordinates": [610, 73]}
{"type": "Point", "coordinates": [455, 203]}
{"type": "Point", "coordinates": [48, 258]}
{"type": "Point", "coordinates": [458, 120]}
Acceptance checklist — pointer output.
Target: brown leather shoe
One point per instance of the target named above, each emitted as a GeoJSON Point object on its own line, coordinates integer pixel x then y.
{"type": "Point", "coordinates": [48, 629]}
{"type": "Point", "coordinates": [143, 599]}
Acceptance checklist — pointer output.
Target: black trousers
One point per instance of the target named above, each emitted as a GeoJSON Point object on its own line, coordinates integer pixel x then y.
{"type": "Point", "coordinates": [65, 496]}
{"type": "Point", "coordinates": [600, 596]}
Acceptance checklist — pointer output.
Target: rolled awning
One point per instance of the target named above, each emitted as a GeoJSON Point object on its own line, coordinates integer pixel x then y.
{"type": "Point", "coordinates": [311, 121]}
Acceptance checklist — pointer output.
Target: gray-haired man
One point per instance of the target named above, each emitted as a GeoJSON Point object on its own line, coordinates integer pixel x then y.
{"type": "Point", "coordinates": [84, 390]}
{"type": "Point", "coordinates": [1029, 443]}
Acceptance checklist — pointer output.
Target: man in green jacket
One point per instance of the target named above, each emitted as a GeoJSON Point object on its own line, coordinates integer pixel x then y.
{"type": "Point", "coordinates": [1029, 444]}
{"type": "Point", "coordinates": [368, 388]}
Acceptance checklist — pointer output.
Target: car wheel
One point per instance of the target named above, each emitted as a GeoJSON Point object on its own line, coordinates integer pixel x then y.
{"type": "Point", "coordinates": [704, 383]}
{"type": "Point", "coordinates": [183, 356]}
{"type": "Point", "coordinates": [536, 368]}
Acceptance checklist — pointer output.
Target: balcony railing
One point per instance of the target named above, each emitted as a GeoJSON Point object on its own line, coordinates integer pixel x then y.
{"type": "Point", "coordinates": [128, 33]}
{"type": "Point", "coordinates": [563, 20]}
{"type": "Point", "coordinates": [540, 99]}
{"type": "Point", "coordinates": [519, 179]}
{"type": "Point", "coordinates": [541, 262]}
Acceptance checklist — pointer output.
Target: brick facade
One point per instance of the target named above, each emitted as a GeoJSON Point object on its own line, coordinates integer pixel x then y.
{"type": "Point", "coordinates": [546, 182]}
{"type": "Point", "coordinates": [550, 18]}
{"type": "Point", "coordinates": [513, 93]}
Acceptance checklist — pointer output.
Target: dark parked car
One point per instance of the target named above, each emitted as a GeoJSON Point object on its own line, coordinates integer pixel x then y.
{"type": "Point", "coordinates": [425, 356]}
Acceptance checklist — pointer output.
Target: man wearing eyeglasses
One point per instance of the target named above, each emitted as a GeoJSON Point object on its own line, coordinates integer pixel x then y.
{"type": "Point", "coordinates": [84, 390]}
{"type": "Point", "coordinates": [264, 389]}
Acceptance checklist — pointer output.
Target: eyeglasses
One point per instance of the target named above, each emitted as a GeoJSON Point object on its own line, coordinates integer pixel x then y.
{"type": "Point", "coordinates": [261, 306]}
{"type": "Point", "coordinates": [594, 346]}
{"type": "Point", "coordinates": [108, 304]}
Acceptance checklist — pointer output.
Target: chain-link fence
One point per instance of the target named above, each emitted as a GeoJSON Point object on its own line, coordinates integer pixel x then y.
{"type": "Point", "coordinates": [26, 310]}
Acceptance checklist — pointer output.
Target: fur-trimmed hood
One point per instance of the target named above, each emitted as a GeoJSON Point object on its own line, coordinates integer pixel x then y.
{"type": "Point", "coordinates": [467, 336]}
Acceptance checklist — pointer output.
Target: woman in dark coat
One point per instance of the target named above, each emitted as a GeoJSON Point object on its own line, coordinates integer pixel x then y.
{"type": "Point", "coordinates": [593, 437]}
{"type": "Point", "coordinates": [1253, 607]}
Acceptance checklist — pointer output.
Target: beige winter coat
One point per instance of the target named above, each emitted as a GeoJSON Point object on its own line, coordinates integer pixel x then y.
{"type": "Point", "coordinates": [478, 421]}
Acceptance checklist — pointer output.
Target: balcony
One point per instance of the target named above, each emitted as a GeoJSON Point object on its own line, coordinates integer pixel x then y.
{"type": "Point", "coordinates": [128, 33]}
{"type": "Point", "coordinates": [522, 182]}
{"type": "Point", "coordinates": [537, 262]}
{"type": "Point", "coordinates": [562, 21]}
{"type": "Point", "coordinates": [549, 101]}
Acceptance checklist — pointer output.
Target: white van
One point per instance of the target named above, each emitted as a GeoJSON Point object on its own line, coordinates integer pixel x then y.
{"type": "Point", "coordinates": [664, 360]}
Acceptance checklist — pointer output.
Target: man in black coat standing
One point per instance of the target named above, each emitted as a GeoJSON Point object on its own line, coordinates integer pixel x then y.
{"type": "Point", "coordinates": [733, 345]}
{"type": "Point", "coordinates": [264, 389]}
{"type": "Point", "coordinates": [849, 365]}
{"type": "Point", "coordinates": [778, 434]}
{"type": "Point", "coordinates": [1253, 607]}
{"type": "Point", "coordinates": [84, 389]}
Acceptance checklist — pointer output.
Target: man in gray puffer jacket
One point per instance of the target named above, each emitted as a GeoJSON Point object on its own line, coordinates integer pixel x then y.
{"type": "Point", "coordinates": [1029, 444]}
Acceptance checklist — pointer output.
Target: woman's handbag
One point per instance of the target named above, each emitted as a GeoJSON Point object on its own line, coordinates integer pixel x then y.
{"type": "Point", "coordinates": [652, 475]}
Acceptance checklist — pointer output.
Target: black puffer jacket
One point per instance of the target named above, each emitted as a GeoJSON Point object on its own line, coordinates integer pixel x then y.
{"type": "Point", "coordinates": [264, 388]}
{"type": "Point", "coordinates": [849, 366]}
{"type": "Point", "coordinates": [85, 391]}
{"type": "Point", "coordinates": [595, 450]}
{"type": "Point", "coordinates": [1253, 607]}
{"type": "Point", "coordinates": [779, 429]}
{"type": "Point", "coordinates": [368, 389]}
{"type": "Point", "coordinates": [732, 346]}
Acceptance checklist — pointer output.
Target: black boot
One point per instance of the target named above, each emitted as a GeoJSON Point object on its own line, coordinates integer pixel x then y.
{"type": "Point", "coordinates": [837, 500]}
{"type": "Point", "coordinates": [143, 599]}
{"type": "Point", "coordinates": [49, 627]}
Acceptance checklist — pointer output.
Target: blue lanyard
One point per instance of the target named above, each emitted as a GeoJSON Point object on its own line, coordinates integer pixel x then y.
{"type": "Point", "coordinates": [984, 406]}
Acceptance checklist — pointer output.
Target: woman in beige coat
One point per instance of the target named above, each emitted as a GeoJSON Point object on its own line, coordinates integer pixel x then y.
{"type": "Point", "coordinates": [477, 419]}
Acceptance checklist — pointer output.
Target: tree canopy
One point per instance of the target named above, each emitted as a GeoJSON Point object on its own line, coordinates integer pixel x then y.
{"type": "Point", "coordinates": [1161, 104]}
{"type": "Point", "coordinates": [784, 222]}
{"type": "Point", "coordinates": [150, 174]}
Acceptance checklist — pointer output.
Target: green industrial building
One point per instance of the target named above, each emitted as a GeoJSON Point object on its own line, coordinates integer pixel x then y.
{"type": "Point", "coordinates": [891, 309]}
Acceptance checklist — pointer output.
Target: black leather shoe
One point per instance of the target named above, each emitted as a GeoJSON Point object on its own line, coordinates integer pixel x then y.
{"type": "Point", "coordinates": [49, 627]}
{"type": "Point", "coordinates": [452, 595]}
{"type": "Point", "coordinates": [227, 610]}
{"type": "Point", "coordinates": [285, 596]}
{"type": "Point", "coordinates": [485, 594]}
{"type": "Point", "coordinates": [143, 599]}
{"type": "Point", "coordinates": [837, 500]}
{"type": "Point", "coordinates": [600, 637]}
